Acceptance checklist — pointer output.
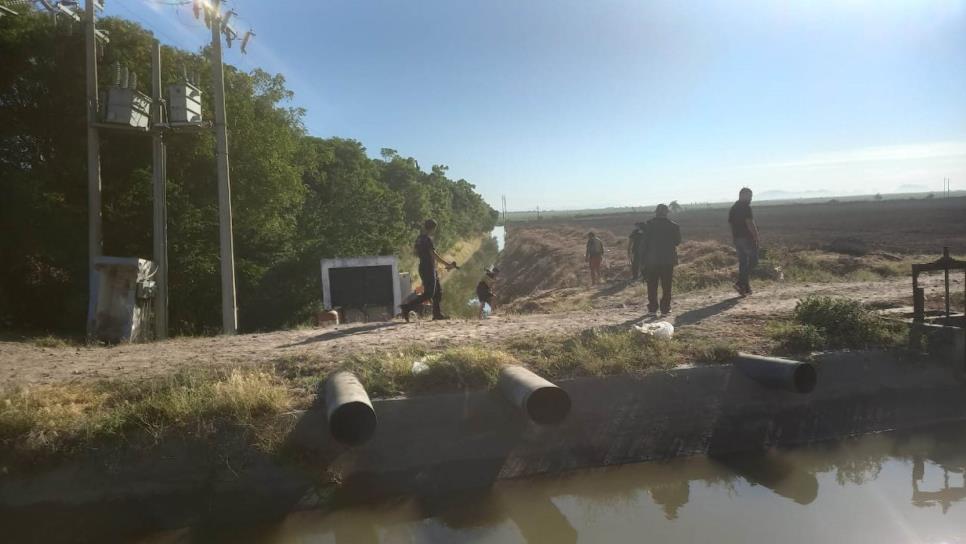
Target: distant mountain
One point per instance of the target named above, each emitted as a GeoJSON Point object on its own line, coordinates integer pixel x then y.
{"type": "Point", "coordinates": [789, 195]}
{"type": "Point", "coordinates": [912, 188]}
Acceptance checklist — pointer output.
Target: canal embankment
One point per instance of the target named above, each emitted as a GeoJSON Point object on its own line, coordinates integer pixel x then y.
{"type": "Point", "coordinates": [433, 444]}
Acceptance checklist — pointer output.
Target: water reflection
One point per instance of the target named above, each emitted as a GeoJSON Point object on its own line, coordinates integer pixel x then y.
{"type": "Point", "coordinates": [499, 234]}
{"type": "Point", "coordinates": [776, 471]}
{"type": "Point", "coordinates": [855, 490]}
{"type": "Point", "coordinates": [944, 497]}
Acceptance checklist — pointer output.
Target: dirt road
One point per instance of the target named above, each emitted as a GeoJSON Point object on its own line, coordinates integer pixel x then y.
{"type": "Point", "coordinates": [716, 312]}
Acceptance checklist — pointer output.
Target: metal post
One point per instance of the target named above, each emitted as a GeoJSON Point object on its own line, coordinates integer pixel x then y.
{"type": "Point", "coordinates": [229, 315]}
{"type": "Point", "coordinates": [946, 280]}
{"type": "Point", "coordinates": [95, 246]}
{"type": "Point", "coordinates": [159, 171]}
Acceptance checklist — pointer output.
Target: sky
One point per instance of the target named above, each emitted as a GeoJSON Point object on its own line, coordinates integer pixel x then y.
{"type": "Point", "coordinates": [577, 104]}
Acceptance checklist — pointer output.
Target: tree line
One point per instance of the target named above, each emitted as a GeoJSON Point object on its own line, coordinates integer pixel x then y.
{"type": "Point", "coordinates": [296, 198]}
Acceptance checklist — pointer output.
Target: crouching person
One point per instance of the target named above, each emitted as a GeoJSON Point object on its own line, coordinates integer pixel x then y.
{"type": "Point", "coordinates": [661, 239]}
{"type": "Point", "coordinates": [484, 290]}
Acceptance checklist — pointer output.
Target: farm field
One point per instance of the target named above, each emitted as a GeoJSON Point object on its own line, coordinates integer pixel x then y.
{"type": "Point", "coordinates": [913, 226]}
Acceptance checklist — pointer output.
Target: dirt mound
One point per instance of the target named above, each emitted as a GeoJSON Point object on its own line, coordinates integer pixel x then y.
{"type": "Point", "coordinates": [538, 259]}
{"type": "Point", "coordinates": [543, 268]}
{"type": "Point", "coordinates": [704, 263]}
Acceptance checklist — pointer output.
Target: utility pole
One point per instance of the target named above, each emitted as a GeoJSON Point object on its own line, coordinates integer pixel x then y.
{"type": "Point", "coordinates": [159, 171]}
{"type": "Point", "coordinates": [95, 247]}
{"type": "Point", "coordinates": [229, 313]}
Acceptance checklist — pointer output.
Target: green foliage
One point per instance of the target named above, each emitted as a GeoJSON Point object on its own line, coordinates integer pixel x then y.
{"type": "Point", "coordinates": [296, 198]}
{"type": "Point", "coordinates": [797, 338]}
{"type": "Point", "coordinates": [835, 323]}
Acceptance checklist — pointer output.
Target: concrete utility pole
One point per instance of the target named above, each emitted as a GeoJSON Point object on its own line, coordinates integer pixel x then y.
{"type": "Point", "coordinates": [160, 199]}
{"type": "Point", "coordinates": [229, 313]}
{"type": "Point", "coordinates": [95, 246]}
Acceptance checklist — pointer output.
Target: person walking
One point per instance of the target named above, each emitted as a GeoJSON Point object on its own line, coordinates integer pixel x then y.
{"type": "Point", "coordinates": [428, 274]}
{"type": "Point", "coordinates": [744, 232]}
{"type": "Point", "coordinates": [661, 239]}
{"type": "Point", "coordinates": [634, 249]}
{"type": "Point", "coordinates": [594, 256]}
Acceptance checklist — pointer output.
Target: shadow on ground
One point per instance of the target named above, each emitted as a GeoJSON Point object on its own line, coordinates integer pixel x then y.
{"type": "Point", "coordinates": [697, 315]}
{"type": "Point", "coordinates": [342, 333]}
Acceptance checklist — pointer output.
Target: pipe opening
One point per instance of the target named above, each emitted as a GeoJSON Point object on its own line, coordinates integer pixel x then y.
{"type": "Point", "coordinates": [805, 378]}
{"type": "Point", "coordinates": [352, 423]}
{"type": "Point", "coordinates": [548, 405]}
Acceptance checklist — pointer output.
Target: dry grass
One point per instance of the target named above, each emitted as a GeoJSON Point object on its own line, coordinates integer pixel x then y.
{"type": "Point", "coordinates": [596, 352]}
{"type": "Point", "coordinates": [37, 422]}
{"type": "Point", "coordinates": [390, 373]}
{"type": "Point", "coordinates": [602, 352]}
{"type": "Point", "coordinates": [544, 271]}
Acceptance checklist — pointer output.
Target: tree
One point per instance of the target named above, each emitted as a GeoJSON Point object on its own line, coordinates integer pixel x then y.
{"type": "Point", "coordinates": [878, 196]}
{"type": "Point", "coordinates": [674, 206]}
{"type": "Point", "coordinates": [296, 198]}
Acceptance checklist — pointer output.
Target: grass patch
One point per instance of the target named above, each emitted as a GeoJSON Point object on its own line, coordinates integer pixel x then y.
{"type": "Point", "coordinates": [391, 374]}
{"type": "Point", "coordinates": [43, 421]}
{"type": "Point", "coordinates": [823, 267]}
{"type": "Point", "coordinates": [42, 340]}
{"type": "Point", "coordinates": [797, 337]}
{"type": "Point", "coordinates": [835, 323]}
{"type": "Point", "coordinates": [602, 352]}
{"type": "Point", "coordinates": [595, 352]}
{"type": "Point", "coordinates": [51, 341]}
{"type": "Point", "coordinates": [712, 264]}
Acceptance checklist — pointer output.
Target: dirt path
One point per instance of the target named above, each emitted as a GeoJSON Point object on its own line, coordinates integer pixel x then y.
{"type": "Point", "coordinates": [717, 313]}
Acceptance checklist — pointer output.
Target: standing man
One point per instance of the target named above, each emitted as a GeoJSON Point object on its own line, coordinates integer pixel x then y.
{"type": "Point", "coordinates": [428, 257]}
{"type": "Point", "coordinates": [744, 231]}
{"type": "Point", "coordinates": [634, 249]}
{"type": "Point", "coordinates": [594, 256]}
{"type": "Point", "coordinates": [660, 248]}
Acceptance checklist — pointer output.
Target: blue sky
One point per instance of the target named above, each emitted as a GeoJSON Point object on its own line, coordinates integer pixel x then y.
{"type": "Point", "coordinates": [572, 104]}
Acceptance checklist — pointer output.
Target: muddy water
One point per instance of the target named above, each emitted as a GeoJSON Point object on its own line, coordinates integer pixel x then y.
{"type": "Point", "coordinates": [890, 488]}
{"type": "Point", "coordinates": [499, 234]}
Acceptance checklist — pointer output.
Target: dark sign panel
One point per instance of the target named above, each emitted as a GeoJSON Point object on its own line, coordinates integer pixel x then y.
{"type": "Point", "coordinates": [360, 286]}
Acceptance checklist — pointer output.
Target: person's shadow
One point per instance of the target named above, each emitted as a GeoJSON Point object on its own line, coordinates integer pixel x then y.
{"type": "Point", "coordinates": [697, 315]}
{"type": "Point", "coordinates": [349, 330]}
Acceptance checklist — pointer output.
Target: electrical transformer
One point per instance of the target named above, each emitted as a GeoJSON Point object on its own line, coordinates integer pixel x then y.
{"type": "Point", "coordinates": [123, 299]}
{"type": "Point", "coordinates": [184, 104]}
{"type": "Point", "coordinates": [127, 106]}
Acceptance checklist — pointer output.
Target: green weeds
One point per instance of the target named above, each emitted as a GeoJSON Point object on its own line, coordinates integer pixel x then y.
{"type": "Point", "coordinates": [835, 323]}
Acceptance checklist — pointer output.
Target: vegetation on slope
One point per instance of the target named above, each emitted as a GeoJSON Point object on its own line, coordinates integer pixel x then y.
{"type": "Point", "coordinates": [296, 198]}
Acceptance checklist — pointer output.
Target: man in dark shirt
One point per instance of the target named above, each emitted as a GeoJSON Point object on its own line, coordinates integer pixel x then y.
{"type": "Point", "coordinates": [428, 257]}
{"type": "Point", "coordinates": [744, 231]}
{"type": "Point", "coordinates": [659, 249]}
